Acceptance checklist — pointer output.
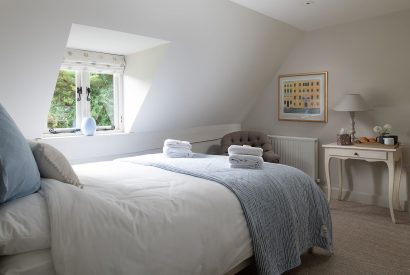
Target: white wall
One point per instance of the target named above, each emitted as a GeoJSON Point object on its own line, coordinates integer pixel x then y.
{"type": "Point", "coordinates": [369, 57]}
{"type": "Point", "coordinates": [221, 55]}
{"type": "Point", "coordinates": [79, 149]}
{"type": "Point", "coordinates": [138, 77]}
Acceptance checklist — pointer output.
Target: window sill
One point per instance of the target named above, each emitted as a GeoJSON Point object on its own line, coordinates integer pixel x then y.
{"type": "Point", "coordinates": [80, 135]}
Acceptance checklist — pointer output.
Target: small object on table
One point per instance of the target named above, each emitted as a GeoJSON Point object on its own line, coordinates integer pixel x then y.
{"type": "Point", "coordinates": [382, 138]}
{"type": "Point", "coordinates": [88, 126]}
{"type": "Point", "coordinates": [343, 138]}
{"type": "Point", "coordinates": [384, 132]}
{"type": "Point", "coordinates": [372, 140]}
{"type": "Point", "coordinates": [363, 139]}
{"type": "Point", "coordinates": [388, 141]}
{"type": "Point", "coordinates": [366, 140]}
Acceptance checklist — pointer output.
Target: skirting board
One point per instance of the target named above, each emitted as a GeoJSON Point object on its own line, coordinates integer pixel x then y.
{"type": "Point", "coordinates": [365, 198]}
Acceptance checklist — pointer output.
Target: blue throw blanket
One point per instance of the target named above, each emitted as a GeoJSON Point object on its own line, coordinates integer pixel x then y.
{"type": "Point", "coordinates": [285, 210]}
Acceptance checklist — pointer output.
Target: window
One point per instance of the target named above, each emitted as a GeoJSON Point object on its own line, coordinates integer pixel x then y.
{"type": "Point", "coordinates": [80, 94]}
{"type": "Point", "coordinates": [82, 91]}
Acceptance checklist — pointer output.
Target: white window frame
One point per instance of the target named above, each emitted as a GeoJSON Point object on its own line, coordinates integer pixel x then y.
{"type": "Point", "coordinates": [83, 107]}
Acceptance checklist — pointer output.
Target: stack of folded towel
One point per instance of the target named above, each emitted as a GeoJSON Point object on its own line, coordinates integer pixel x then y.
{"type": "Point", "coordinates": [245, 157]}
{"type": "Point", "coordinates": [177, 149]}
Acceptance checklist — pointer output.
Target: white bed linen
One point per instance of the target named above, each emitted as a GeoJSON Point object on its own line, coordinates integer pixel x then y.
{"type": "Point", "coordinates": [31, 263]}
{"type": "Point", "coordinates": [132, 219]}
{"type": "Point", "coordinates": [24, 225]}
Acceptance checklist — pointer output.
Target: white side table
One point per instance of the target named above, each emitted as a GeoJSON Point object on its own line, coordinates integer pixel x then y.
{"type": "Point", "coordinates": [391, 156]}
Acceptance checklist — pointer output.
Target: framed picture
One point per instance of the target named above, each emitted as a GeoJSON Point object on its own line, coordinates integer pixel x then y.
{"type": "Point", "coordinates": [303, 97]}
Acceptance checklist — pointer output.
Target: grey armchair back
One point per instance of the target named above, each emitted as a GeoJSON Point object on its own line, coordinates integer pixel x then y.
{"type": "Point", "coordinates": [254, 139]}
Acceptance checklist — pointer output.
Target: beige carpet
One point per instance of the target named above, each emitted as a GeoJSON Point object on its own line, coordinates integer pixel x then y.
{"type": "Point", "coordinates": [365, 242]}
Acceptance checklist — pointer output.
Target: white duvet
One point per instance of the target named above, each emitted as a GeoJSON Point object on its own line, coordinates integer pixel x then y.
{"type": "Point", "coordinates": [132, 219]}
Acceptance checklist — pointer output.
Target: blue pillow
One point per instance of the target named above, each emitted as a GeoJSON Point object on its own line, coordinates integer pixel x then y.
{"type": "Point", "coordinates": [19, 175]}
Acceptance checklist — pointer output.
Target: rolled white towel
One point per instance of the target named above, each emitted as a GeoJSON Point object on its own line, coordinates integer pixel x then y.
{"type": "Point", "coordinates": [245, 161]}
{"type": "Point", "coordinates": [245, 150]}
{"type": "Point", "coordinates": [177, 152]}
{"type": "Point", "coordinates": [174, 143]}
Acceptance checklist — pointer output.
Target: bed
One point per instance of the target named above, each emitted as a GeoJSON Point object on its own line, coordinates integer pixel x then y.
{"type": "Point", "coordinates": [153, 215]}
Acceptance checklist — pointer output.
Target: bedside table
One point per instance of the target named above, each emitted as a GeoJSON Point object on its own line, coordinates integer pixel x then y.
{"type": "Point", "coordinates": [391, 156]}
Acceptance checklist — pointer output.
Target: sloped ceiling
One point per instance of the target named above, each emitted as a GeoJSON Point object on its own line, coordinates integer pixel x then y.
{"type": "Point", "coordinates": [221, 55]}
{"type": "Point", "coordinates": [315, 14]}
{"type": "Point", "coordinates": [108, 41]}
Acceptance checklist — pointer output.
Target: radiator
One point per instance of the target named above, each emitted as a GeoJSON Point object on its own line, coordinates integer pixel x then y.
{"type": "Point", "coordinates": [299, 152]}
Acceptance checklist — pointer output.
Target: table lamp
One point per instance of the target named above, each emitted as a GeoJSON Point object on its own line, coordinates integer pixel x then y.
{"type": "Point", "coordinates": [351, 103]}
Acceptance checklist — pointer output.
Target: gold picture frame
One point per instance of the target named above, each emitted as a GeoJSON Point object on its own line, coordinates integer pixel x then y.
{"type": "Point", "coordinates": [303, 97]}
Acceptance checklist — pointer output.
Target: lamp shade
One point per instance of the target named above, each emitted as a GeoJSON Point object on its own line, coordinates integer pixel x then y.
{"type": "Point", "coordinates": [351, 103]}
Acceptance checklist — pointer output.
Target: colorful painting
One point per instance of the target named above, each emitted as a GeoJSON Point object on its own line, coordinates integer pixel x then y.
{"type": "Point", "coordinates": [303, 97]}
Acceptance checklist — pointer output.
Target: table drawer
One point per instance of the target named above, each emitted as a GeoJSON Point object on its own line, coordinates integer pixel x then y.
{"type": "Point", "coordinates": [365, 154]}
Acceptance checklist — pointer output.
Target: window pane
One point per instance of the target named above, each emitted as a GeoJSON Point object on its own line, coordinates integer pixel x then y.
{"type": "Point", "coordinates": [102, 98]}
{"type": "Point", "coordinates": [63, 105]}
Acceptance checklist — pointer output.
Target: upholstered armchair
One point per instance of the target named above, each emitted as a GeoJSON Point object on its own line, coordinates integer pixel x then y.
{"type": "Point", "coordinates": [254, 139]}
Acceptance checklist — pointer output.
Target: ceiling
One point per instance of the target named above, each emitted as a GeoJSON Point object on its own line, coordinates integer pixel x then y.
{"type": "Point", "coordinates": [108, 41]}
{"type": "Point", "coordinates": [323, 13]}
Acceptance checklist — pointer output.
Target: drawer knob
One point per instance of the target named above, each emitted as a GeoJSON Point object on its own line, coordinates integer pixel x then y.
{"type": "Point", "coordinates": [356, 154]}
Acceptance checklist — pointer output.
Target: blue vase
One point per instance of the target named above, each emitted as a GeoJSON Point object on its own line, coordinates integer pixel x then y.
{"type": "Point", "coordinates": [88, 126]}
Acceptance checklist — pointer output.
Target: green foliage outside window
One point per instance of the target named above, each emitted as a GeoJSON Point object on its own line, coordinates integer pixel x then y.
{"type": "Point", "coordinates": [62, 113]}
{"type": "Point", "coordinates": [102, 99]}
{"type": "Point", "coordinates": [62, 109]}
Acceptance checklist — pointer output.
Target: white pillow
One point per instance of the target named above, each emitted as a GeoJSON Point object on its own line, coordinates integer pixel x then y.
{"type": "Point", "coordinates": [24, 225]}
{"type": "Point", "coordinates": [52, 164]}
{"type": "Point", "coordinates": [31, 263]}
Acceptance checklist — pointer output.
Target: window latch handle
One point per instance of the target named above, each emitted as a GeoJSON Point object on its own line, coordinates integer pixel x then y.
{"type": "Point", "coordinates": [88, 94]}
{"type": "Point", "coordinates": [79, 92]}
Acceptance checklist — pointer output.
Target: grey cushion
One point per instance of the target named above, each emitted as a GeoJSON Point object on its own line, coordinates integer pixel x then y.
{"type": "Point", "coordinates": [19, 175]}
{"type": "Point", "coordinates": [53, 164]}
{"type": "Point", "coordinates": [251, 138]}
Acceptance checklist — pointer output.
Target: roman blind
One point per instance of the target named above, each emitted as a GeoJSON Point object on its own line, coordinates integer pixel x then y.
{"type": "Point", "coordinates": [87, 60]}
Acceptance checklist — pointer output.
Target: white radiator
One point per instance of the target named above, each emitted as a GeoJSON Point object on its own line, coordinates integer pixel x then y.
{"type": "Point", "coordinates": [299, 152]}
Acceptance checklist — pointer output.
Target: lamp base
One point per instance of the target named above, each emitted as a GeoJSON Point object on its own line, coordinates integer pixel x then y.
{"type": "Point", "coordinates": [353, 132]}
{"type": "Point", "coordinates": [353, 138]}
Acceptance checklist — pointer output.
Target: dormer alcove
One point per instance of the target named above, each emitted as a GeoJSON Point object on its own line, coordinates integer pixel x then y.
{"type": "Point", "coordinates": [105, 74]}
